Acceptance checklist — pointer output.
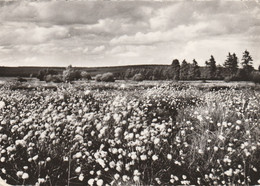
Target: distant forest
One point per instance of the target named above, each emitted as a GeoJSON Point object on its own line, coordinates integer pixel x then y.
{"type": "Point", "coordinates": [178, 70]}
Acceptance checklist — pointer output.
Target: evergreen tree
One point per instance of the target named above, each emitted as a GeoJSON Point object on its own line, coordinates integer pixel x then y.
{"type": "Point", "coordinates": [211, 65]}
{"type": "Point", "coordinates": [219, 72]}
{"type": "Point", "coordinates": [231, 64]}
{"type": "Point", "coordinates": [176, 69]}
{"type": "Point", "coordinates": [235, 62]}
{"type": "Point", "coordinates": [194, 71]}
{"type": "Point", "coordinates": [247, 62]}
{"type": "Point", "coordinates": [167, 73]}
{"type": "Point", "coordinates": [184, 70]}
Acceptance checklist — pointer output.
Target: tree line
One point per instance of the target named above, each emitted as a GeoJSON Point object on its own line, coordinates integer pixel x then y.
{"type": "Point", "coordinates": [184, 70]}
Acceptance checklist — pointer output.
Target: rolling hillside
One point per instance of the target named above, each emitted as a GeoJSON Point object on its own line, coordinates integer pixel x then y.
{"type": "Point", "coordinates": [28, 71]}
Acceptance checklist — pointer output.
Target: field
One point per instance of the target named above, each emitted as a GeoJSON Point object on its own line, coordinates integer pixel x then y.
{"type": "Point", "coordinates": [128, 133]}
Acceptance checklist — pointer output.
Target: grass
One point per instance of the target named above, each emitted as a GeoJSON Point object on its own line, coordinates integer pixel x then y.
{"type": "Point", "coordinates": [158, 133]}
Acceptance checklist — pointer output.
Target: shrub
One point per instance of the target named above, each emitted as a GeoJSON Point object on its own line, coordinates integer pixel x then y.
{"type": "Point", "coordinates": [70, 74]}
{"type": "Point", "coordinates": [85, 75]}
{"type": "Point", "coordinates": [20, 79]}
{"type": "Point", "coordinates": [98, 77]}
{"type": "Point", "coordinates": [236, 77]}
{"type": "Point", "coordinates": [229, 78]}
{"type": "Point", "coordinates": [53, 78]}
{"type": "Point", "coordinates": [138, 77]}
{"type": "Point", "coordinates": [43, 73]}
{"type": "Point", "coordinates": [255, 77]}
{"type": "Point", "coordinates": [108, 77]}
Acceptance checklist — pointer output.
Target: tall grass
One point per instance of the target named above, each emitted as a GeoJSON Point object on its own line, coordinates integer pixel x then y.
{"type": "Point", "coordinates": [165, 134]}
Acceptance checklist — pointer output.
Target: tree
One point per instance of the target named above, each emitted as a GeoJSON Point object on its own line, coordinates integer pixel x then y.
{"type": "Point", "coordinates": [259, 68]}
{"type": "Point", "coordinates": [255, 77]}
{"type": "Point", "coordinates": [184, 70]}
{"type": "Point", "coordinates": [246, 62]}
{"type": "Point", "coordinates": [98, 77]}
{"type": "Point", "coordinates": [167, 73]}
{"type": "Point", "coordinates": [176, 69]}
{"type": "Point", "coordinates": [70, 74]}
{"type": "Point", "coordinates": [231, 64]}
{"type": "Point", "coordinates": [108, 77]}
{"type": "Point", "coordinates": [43, 73]}
{"type": "Point", "coordinates": [157, 73]}
{"type": "Point", "coordinates": [211, 65]}
{"type": "Point", "coordinates": [219, 72]}
{"type": "Point", "coordinates": [128, 73]}
{"type": "Point", "coordinates": [85, 75]}
{"type": "Point", "coordinates": [138, 77]}
{"type": "Point", "coordinates": [194, 71]}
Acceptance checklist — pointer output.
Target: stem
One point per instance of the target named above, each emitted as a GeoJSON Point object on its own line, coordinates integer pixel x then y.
{"type": "Point", "coordinates": [50, 181]}
{"type": "Point", "coordinates": [69, 169]}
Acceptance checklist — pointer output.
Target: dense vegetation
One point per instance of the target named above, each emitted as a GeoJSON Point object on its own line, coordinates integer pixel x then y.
{"type": "Point", "coordinates": [110, 134]}
{"type": "Point", "coordinates": [192, 71]}
{"type": "Point", "coordinates": [176, 71]}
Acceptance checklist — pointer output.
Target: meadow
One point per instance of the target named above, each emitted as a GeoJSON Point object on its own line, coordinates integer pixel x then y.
{"type": "Point", "coordinates": [128, 133]}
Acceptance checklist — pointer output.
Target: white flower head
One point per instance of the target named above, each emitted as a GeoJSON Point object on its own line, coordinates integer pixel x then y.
{"type": "Point", "coordinates": [78, 170]}
{"type": "Point", "coordinates": [229, 172]}
{"type": "Point", "coordinates": [81, 177]}
{"type": "Point", "coordinates": [91, 181]}
{"type": "Point", "coordinates": [99, 182]}
{"type": "Point", "coordinates": [154, 157]}
{"type": "Point", "coordinates": [25, 176]}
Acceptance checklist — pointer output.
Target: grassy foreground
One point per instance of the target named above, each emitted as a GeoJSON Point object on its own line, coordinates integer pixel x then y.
{"type": "Point", "coordinates": [105, 134]}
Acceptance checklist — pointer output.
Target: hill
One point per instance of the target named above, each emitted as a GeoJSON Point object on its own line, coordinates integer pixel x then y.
{"type": "Point", "coordinates": [33, 71]}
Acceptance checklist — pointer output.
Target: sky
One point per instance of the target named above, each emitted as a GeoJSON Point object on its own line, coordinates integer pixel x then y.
{"type": "Point", "coordinates": [112, 33]}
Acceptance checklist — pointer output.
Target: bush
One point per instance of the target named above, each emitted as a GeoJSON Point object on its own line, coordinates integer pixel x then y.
{"type": "Point", "coordinates": [20, 79]}
{"type": "Point", "coordinates": [138, 77]}
{"type": "Point", "coordinates": [53, 78]}
{"type": "Point", "coordinates": [70, 74]}
{"type": "Point", "coordinates": [98, 77]}
{"type": "Point", "coordinates": [229, 78]}
{"type": "Point", "coordinates": [43, 73]}
{"type": "Point", "coordinates": [236, 77]}
{"type": "Point", "coordinates": [255, 77]}
{"type": "Point", "coordinates": [108, 77]}
{"type": "Point", "coordinates": [85, 75]}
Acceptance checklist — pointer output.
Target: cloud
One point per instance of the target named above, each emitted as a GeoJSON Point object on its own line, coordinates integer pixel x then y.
{"type": "Point", "coordinates": [182, 32]}
{"type": "Point", "coordinates": [96, 33]}
{"type": "Point", "coordinates": [30, 33]}
{"type": "Point", "coordinates": [85, 50]}
{"type": "Point", "coordinates": [218, 47]}
{"type": "Point", "coordinates": [98, 49]}
{"type": "Point", "coordinates": [72, 12]}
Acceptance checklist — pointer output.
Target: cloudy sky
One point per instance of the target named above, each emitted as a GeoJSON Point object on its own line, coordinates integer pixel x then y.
{"type": "Point", "coordinates": [123, 33]}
